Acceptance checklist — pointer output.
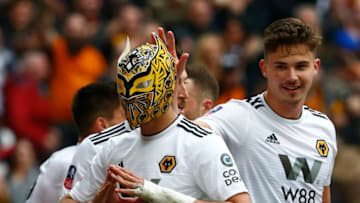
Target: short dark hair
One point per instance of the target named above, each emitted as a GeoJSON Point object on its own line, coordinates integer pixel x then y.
{"type": "Point", "coordinates": [92, 101]}
{"type": "Point", "coordinates": [204, 80]}
{"type": "Point", "coordinates": [290, 31]}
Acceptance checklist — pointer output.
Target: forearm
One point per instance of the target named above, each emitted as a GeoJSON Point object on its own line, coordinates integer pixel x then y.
{"type": "Point", "coordinates": [157, 194]}
{"type": "Point", "coordinates": [153, 193]}
{"type": "Point", "coordinates": [326, 195]}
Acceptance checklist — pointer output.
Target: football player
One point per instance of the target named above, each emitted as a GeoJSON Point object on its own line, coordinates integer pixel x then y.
{"type": "Point", "coordinates": [166, 149]}
{"type": "Point", "coordinates": [95, 107]}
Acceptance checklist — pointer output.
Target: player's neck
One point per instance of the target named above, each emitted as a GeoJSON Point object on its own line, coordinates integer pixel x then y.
{"type": "Point", "coordinates": [157, 125]}
{"type": "Point", "coordinates": [283, 109]}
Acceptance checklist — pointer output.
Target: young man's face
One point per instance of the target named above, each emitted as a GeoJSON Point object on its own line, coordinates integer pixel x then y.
{"type": "Point", "coordinates": [290, 71]}
{"type": "Point", "coordinates": [182, 92]}
{"type": "Point", "coordinates": [192, 106]}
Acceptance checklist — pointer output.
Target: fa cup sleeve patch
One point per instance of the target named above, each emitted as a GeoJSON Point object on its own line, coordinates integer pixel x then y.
{"type": "Point", "coordinates": [68, 183]}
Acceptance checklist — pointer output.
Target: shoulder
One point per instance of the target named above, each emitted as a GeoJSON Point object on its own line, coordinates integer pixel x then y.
{"type": "Point", "coordinates": [317, 118]}
{"type": "Point", "coordinates": [320, 121]}
{"type": "Point", "coordinates": [189, 127]}
{"type": "Point", "coordinates": [59, 159]}
{"type": "Point", "coordinates": [244, 105]}
{"type": "Point", "coordinates": [105, 135]}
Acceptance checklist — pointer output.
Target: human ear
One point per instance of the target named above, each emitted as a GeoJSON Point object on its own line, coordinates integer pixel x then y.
{"type": "Point", "coordinates": [262, 65]}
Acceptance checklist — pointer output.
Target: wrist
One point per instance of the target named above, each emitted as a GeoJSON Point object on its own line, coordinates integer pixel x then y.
{"type": "Point", "coordinates": [154, 193]}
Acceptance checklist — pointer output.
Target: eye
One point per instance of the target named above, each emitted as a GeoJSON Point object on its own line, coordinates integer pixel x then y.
{"type": "Point", "coordinates": [144, 84]}
{"type": "Point", "coordinates": [280, 67]}
{"type": "Point", "coordinates": [301, 66]}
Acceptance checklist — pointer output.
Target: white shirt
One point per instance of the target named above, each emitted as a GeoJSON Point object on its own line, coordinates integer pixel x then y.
{"type": "Point", "coordinates": [184, 157]}
{"type": "Point", "coordinates": [279, 159]}
{"type": "Point", "coordinates": [48, 186]}
{"type": "Point", "coordinates": [87, 150]}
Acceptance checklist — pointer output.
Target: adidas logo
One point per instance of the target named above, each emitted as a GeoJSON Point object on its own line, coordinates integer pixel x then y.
{"type": "Point", "coordinates": [272, 139]}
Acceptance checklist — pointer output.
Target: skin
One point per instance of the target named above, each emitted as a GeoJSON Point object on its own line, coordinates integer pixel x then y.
{"type": "Point", "coordinates": [192, 107]}
{"type": "Point", "coordinates": [155, 126]}
{"type": "Point", "coordinates": [183, 92]}
{"type": "Point", "coordinates": [131, 181]}
{"type": "Point", "coordinates": [290, 72]}
{"type": "Point", "coordinates": [150, 128]}
{"type": "Point", "coordinates": [197, 103]}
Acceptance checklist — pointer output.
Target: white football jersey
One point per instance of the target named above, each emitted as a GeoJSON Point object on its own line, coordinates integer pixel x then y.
{"type": "Point", "coordinates": [48, 186]}
{"type": "Point", "coordinates": [184, 157]}
{"type": "Point", "coordinates": [86, 151]}
{"type": "Point", "coordinates": [280, 160]}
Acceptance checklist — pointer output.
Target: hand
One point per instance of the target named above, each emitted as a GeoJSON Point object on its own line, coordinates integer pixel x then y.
{"type": "Point", "coordinates": [128, 180]}
{"type": "Point", "coordinates": [179, 63]}
{"type": "Point", "coordinates": [106, 192]}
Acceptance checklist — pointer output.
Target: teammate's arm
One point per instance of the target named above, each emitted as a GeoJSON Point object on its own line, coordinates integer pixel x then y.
{"type": "Point", "coordinates": [326, 195]}
{"type": "Point", "coordinates": [137, 186]}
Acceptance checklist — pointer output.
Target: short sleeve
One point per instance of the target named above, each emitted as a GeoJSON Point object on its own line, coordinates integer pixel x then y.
{"type": "Point", "coordinates": [79, 165]}
{"type": "Point", "coordinates": [230, 120]}
{"type": "Point", "coordinates": [216, 172]}
{"type": "Point", "coordinates": [95, 176]}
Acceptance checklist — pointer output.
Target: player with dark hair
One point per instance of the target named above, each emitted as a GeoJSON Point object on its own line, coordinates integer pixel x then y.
{"type": "Point", "coordinates": [95, 107]}
{"type": "Point", "coordinates": [202, 89]}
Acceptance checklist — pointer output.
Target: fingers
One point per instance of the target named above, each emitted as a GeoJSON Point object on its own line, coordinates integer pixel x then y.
{"type": "Point", "coordinates": [180, 66]}
{"type": "Point", "coordinates": [126, 191]}
{"type": "Point", "coordinates": [161, 33]}
{"type": "Point", "coordinates": [123, 182]}
{"type": "Point", "coordinates": [126, 175]}
{"type": "Point", "coordinates": [171, 45]}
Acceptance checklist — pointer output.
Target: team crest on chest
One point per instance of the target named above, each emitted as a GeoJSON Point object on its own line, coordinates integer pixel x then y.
{"type": "Point", "coordinates": [322, 148]}
{"type": "Point", "coordinates": [167, 164]}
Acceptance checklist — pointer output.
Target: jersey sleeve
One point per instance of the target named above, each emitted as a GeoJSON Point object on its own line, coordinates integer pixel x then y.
{"type": "Point", "coordinates": [79, 165]}
{"type": "Point", "coordinates": [216, 172]}
{"type": "Point", "coordinates": [86, 189]}
{"type": "Point", "coordinates": [48, 185]}
{"type": "Point", "coordinates": [230, 120]}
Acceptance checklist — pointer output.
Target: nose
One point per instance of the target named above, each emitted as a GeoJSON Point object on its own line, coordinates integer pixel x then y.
{"type": "Point", "coordinates": [292, 74]}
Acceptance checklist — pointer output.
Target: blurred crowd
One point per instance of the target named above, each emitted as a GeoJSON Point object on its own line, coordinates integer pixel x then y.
{"type": "Point", "coordinates": [51, 48]}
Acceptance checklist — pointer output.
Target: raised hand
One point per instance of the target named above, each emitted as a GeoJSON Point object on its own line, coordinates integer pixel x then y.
{"type": "Point", "coordinates": [171, 46]}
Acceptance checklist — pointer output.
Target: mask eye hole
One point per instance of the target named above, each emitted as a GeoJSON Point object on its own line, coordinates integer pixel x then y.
{"type": "Point", "coordinates": [144, 84]}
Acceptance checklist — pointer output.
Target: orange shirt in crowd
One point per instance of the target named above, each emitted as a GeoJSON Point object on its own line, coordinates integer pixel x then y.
{"type": "Point", "coordinates": [71, 72]}
{"type": "Point", "coordinates": [236, 92]}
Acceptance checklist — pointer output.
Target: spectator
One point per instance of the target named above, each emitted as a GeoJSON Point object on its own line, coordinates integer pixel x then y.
{"type": "Point", "coordinates": [76, 64]}
{"type": "Point", "coordinates": [27, 106]}
{"type": "Point", "coordinates": [24, 171]}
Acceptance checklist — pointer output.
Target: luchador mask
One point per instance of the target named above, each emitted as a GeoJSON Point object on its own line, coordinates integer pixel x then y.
{"type": "Point", "coordinates": [146, 81]}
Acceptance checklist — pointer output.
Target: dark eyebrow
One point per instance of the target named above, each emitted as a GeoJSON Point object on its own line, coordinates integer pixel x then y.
{"type": "Point", "coordinates": [302, 63]}
{"type": "Point", "coordinates": [279, 63]}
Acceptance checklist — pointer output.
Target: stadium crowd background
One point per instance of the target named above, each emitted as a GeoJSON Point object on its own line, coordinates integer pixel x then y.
{"type": "Point", "coordinates": [51, 48]}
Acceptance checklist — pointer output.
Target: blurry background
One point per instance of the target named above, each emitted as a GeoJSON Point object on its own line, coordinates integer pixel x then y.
{"type": "Point", "coordinates": [51, 48]}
